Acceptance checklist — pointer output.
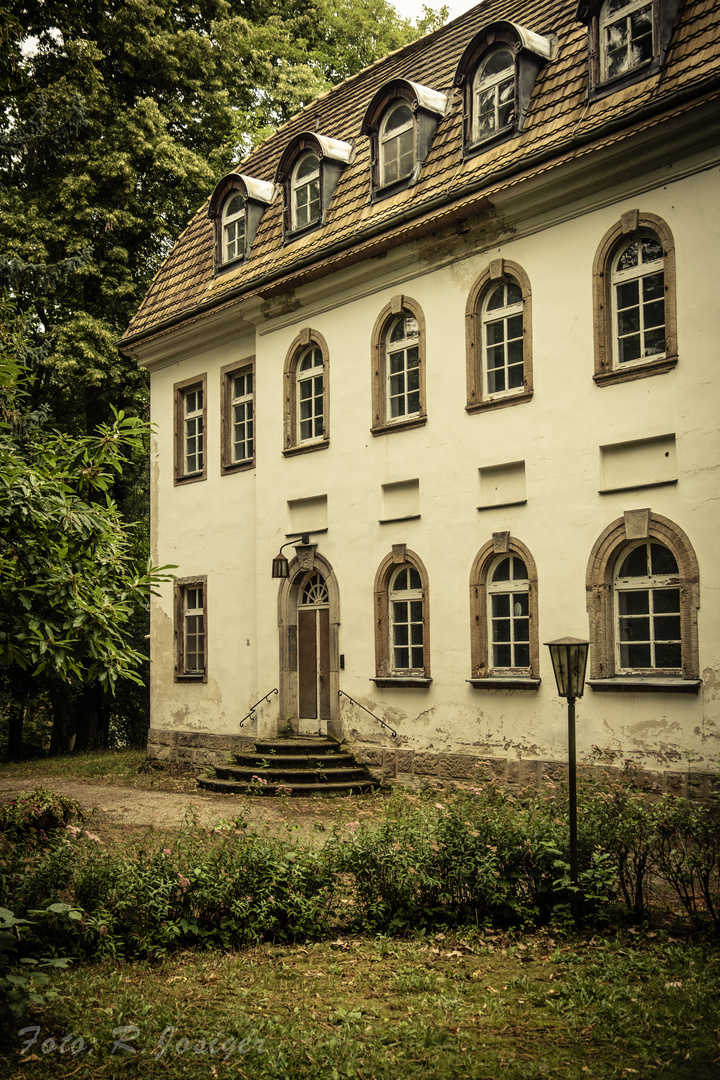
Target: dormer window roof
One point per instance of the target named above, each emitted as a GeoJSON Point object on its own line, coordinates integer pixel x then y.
{"type": "Point", "coordinates": [628, 40]}
{"type": "Point", "coordinates": [236, 207]}
{"type": "Point", "coordinates": [308, 171]}
{"type": "Point", "coordinates": [497, 73]}
{"type": "Point", "coordinates": [401, 120]}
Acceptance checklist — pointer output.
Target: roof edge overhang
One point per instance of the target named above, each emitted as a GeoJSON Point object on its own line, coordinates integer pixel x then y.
{"type": "Point", "coordinates": [467, 201]}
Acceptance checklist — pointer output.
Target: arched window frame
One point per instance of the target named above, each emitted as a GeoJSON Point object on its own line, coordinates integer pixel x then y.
{"type": "Point", "coordinates": [257, 196]}
{"type": "Point", "coordinates": [305, 202]}
{"type": "Point", "coordinates": [484, 675]}
{"type": "Point", "coordinates": [394, 144]}
{"type": "Point", "coordinates": [386, 674]}
{"type": "Point", "coordinates": [478, 397]}
{"type": "Point", "coordinates": [307, 340]}
{"type": "Point", "coordinates": [382, 421]}
{"type": "Point", "coordinates": [530, 52]}
{"type": "Point", "coordinates": [633, 224]}
{"type": "Point", "coordinates": [606, 557]}
{"type": "Point", "coordinates": [595, 15]}
{"type": "Point", "coordinates": [332, 157]}
{"type": "Point", "coordinates": [428, 106]}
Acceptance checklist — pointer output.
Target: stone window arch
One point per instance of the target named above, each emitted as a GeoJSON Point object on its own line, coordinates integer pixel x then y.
{"type": "Point", "coordinates": [504, 649]}
{"type": "Point", "coordinates": [643, 594]}
{"type": "Point", "coordinates": [398, 367]}
{"type": "Point", "coordinates": [498, 337]}
{"type": "Point", "coordinates": [634, 300]}
{"type": "Point", "coordinates": [307, 393]}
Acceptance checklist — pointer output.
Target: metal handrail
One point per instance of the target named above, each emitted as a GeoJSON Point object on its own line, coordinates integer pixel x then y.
{"type": "Point", "coordinates": [341, 693]}
{"type": "Point", "coordinates": [270, 694]}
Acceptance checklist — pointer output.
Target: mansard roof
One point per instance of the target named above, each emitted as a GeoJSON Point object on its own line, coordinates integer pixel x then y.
{"type": "Point", "coordinates": [564, 126]}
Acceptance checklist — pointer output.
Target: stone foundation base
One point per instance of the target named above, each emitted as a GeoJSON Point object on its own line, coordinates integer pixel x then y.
{"type": "Point", "coordinates": [419, 767]}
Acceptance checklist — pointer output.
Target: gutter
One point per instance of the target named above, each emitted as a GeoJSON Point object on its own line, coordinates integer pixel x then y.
{"type": "Point", "coordinates": [571, 142]}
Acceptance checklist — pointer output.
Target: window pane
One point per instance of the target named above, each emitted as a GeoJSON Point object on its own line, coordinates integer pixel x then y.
{"type": "Point", "coordinates": [635, 656]}
{"type": "Point", "coordinates": [502, 571]}
{"type": "Point", "coordinates": [666, 627]}
{"type": "Point", "coordinates": [662, 560]}
{"type": "Point", "coordinates": [666, 600]}
{"type": "Point", "coordinates": [502, 656]}
{"type": "Point", "coordinates": [668, 655]}
{"type": "Point", "coordinates": [414, 576]}
{"type": "Point", "coordinates": [522, 655]}
{"type": "Point", "coordinates": [501, 605]}
{"type": "Point", "coordinates": [636, 563]}
{"type": "Point", "coordinates": [651, 249]}
{"type": "Point", "coordinates": [634, 603]}
{"type": "Point", "coordinates": [635, 629]}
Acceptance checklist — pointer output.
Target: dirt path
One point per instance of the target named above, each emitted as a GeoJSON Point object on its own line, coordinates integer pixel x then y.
{"type": "Point", "coordinates": [134, 807]}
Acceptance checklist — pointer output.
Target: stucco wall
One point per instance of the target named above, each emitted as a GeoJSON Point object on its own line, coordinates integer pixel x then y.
{"type": "Point", "coordinates": [230, 527]}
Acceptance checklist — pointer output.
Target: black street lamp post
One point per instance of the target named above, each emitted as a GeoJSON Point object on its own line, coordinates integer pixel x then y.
{"type": "Point", "coordinates": [569, 660]}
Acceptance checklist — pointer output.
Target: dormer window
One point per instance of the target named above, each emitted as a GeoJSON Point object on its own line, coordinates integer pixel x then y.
{"type": "Point", "coordinates": [305, 187]}
{"type": "Point", "coordinates": [397, 143]}
{"type": "Point", "coordinates": [494, 95]}
{"type": "Point", "coordinates": [497, 73]}
{"type": "Point", "coordinates": [233, 228]}
{"type": "Point", "coordinates": [309, 170]}
{"type": "Point", "coordinates": [236, 207]}
{"type": "Point", "coordinates": [626, 36]}
{"type": "Point", "coordinates": [401, 121]}
{"type": "Point", "coordinates": [628, 40]}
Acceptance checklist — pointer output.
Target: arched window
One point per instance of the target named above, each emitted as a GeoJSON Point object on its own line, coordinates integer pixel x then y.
{"type": "Point", "coordinates": [499, 337]}
{"type": "Point", "coordinates": [305, 191]}
{"type": "Point", "coordinates": [398, 366]}
{"type": "Point", "coordinates": [310, 419]}
{"type": "Point", "coordinates": [643, 595]}
{"type": "Point", "coordinates": [497, 73]}
{"type": "Point", "coordinates": [509, 614]}
{"type": "Point", "coordinates": [402, 631]}
{"type": "Point", "coordinates": [400, 120]}
{"type": "Point", "coordinates": [236, 207]}
{"type": "Point", "coordinates": [233, 228]}
{"type": "Point", "coordinates": [493, 95]}
{"type": "Point", "coordinates": [634, 299]}
{"type": "Point", "coordinates": [504, 616]}
{"type": "Point", "coordinates": [403, 368]}
{"type": "Point", "coordinates": [406, 622]}
{"type": "Point", "coordinates": [638, 295]}
{"type": "Point", "coordinates": [397, 143]}
{"type": "Point", "coordinates": [307, 393]}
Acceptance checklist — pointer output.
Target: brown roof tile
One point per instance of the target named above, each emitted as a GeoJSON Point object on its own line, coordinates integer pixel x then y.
{"type": "Point", "coordinates": [559, 108]}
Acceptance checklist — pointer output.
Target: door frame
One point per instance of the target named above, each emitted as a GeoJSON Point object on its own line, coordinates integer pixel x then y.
{"type": "Point", "coordinates": [306, 559]}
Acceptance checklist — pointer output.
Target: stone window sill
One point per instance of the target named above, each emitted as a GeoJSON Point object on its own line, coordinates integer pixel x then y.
{"type": "Point", "coordinates": [403, 682]}
{"type": "Point", "coordinates": [505, 682]}
{"type": "Point", "coordinates": [645, 684]}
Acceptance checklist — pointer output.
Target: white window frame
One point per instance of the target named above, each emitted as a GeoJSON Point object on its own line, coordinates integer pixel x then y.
{"type": "Point", "coordinates": [639, 273]}
{"type": "Point", "coordinates": [399, 351]}
{"type": "Point", "coordinates": [496, 82]}
{"type": "Point", "coordinates": [624, 14]}
{"type": "Point", "coordinates": [242, 415]}
{"type": "Point", "coordinates": [309, 395]}
{"type": "Point", "coordinates": [193, 430]}
{"type": "Point", "coordinates": [390, 141]}
{"type": "Point", "coordinates": [651, 584]}
{"type": "Point", "coordinates": [305, 187]}
{"type": "Point", "coordinates": [514, 587]}
{"type": "Point", "coordinates": [233, 236]}
{"type": "Point", "coordinates": [494, 317]}
{"type": "Point", "coordinates": [409, 596]}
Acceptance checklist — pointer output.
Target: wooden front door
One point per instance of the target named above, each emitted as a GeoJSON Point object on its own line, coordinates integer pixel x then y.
{"type": "Point", "coordinates": [313, 656]}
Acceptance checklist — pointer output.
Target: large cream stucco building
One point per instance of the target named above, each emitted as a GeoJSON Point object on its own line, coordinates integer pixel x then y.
{"type": "Point", "coordinates": [457, 322]}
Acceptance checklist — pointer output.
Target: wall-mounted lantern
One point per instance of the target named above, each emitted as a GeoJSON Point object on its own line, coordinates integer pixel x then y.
{"type": "Point", "coordinates": [280, 565]}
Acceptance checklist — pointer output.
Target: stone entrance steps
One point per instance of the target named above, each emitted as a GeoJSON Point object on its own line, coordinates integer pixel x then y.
{"type": "Point", "coordinates": [300, 765]}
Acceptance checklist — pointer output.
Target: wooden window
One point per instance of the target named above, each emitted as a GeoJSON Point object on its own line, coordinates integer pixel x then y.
{"type": "Point", "coordinates": [493, 99]}
{"type": "Point", "coordinates": [398, 367]}
{"type": "Point", "coordinates": [191, 629]}
{"type": "Point", "coordinates": [634, 288]}
{"type": "Point", "coordinates": [626, 36]}
{"type": "Point", "coordinates": [305, 191]}
{"type": "Point", "coordinates": [642, 597]}
{"type": "Point", "coordinates": [190, 429]}
{"type": "Point", "coordinates": [498, 332]}
{"type": "Point", "coordinates": [238, 416]}
{"type": "Point", "coordinates": [397, 143]}
{"type": "Point", "coordinates": [307, 393]}
{"type": "Point", "coordinates": [233, 228]}
{"type": "Point", "coordinates": [504, 616]}
{"type": "Point", "coordinates": [402, 621]}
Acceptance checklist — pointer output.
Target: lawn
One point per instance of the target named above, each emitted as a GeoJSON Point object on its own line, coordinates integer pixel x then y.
{"type": "Point", "coordinates": [474, 1003]}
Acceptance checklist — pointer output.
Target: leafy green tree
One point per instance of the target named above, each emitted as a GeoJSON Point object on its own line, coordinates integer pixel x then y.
{"type": "Point", "coordinates": [117, 119]}
{"type": "Point", "coordinates": [69, 584]}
